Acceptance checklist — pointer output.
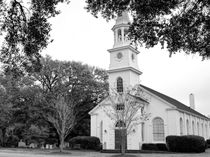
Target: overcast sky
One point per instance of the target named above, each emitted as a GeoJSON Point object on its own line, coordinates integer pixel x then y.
{"type": "Point", "coordinates": [81, 37]}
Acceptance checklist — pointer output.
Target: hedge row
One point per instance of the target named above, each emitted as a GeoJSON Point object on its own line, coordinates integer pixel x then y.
{"type": "Point", "coordinates": [208, 143]}
{"type": "Point", "coordinates": [85, 142]}
{"type": "Point", "coordinates": [188, 143]}
{"type": "Point", "coordinates": [154, 146]}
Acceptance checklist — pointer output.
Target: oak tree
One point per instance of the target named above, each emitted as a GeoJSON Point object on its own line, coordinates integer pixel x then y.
{"type": "Point", "coordinates": [81, 85]}
{"type": "Point", "coordinates": [178, 25]}
{"type": "Point", "coordinates": [25, 27]}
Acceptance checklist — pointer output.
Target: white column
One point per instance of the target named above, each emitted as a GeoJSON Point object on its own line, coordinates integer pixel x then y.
{"type": "Point", "coordinates": [122, 32]}
{"type": "Point", "coordinates": [115, 36]}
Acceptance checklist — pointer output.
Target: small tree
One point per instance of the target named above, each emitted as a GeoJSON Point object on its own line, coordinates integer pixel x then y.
{"type": "Point", "coordinates": [62, 118]}
{"type": "Point", "coordinates": [126, 110]}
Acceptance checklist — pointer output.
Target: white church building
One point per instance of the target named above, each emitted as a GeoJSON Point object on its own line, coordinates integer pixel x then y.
{"type": "Point", "coordinates": [167, 115]}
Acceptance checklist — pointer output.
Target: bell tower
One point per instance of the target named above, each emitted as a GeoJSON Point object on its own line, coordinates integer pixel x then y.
{"type": "Point", "coordinates": [123, 68]}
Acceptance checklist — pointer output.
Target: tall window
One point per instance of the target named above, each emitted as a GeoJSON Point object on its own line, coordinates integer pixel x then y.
{"type": "Point", "coordinates": [101, 131]}
{"type": "Point", "coordinates": [202, 129]}
{"type": "Point", "coordinates": [125, 34]}
{"type": "Point", "coordinates": [206, 131]}
{"type": "Point", "coordinates": [181, 126]}
{"type": "Point", "coordinates": [142, 131]}
{"type": "Point", "coordinates": [193, 128]}
{"type": "Point", "coordinates": [119, 35]}
{"type": "Point", "coordinates": [119, 84]}
{"type": "Point", "coordinates": [158, 129]}
{"type": "Point", "coordinates": [209, 131]}
{"type": "Point", "coordinates": [198, 127]}
{"type": "Point", "coordinates": [188, 127]}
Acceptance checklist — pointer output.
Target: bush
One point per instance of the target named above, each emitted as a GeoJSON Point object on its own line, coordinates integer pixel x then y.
{"type": "Point", "coordinates": [154, 146]}
{"type": "Point", "coordinates": [12, 141]}
{"type": "Point", "coordinates": [188, 143]}
{"type": "Point", "coordinates": [85, 142]}
{"type": "Point", "coordinates": [162, 147]}
{"type": "Point", "coordinates": [208, 143]}
{"type": "Point", "coordinates": [149, 146]}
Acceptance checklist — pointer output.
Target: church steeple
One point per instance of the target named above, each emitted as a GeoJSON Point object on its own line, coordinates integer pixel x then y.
{"type": "Point", "coordinates": [121, 30]}
{"type": "Point", "coordinates": [123, 69]}
{"type": "Point", "coordinates": [123, 18]}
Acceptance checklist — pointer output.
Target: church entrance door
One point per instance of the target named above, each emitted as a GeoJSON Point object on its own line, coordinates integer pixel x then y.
{"type": "Point", "coordinates": [119, 133]}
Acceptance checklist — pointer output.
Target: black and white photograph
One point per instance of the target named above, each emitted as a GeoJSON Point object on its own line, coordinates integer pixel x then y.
{"type": "Point", "coordinates": [104, 78]}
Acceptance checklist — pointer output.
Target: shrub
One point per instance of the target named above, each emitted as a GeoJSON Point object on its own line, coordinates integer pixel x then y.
{"type": "Point", "coordinates": [149, 146]}
{"type": "Point", "coordinates": [154, 146]}
{"type": "Point", "coordinates": [188, 143]}
{"type": "Point", "coordinates": [85, 142]}
{"type": "Point", "coordinates": [208, 143]}
{"type": "Point", "coordinates": [12, 141]}
{"type": "Point", "coordinates": [162, 147]}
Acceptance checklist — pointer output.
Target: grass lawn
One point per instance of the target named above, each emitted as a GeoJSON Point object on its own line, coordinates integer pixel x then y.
{"type": "Point", "coordinates": [126, 155]}
{"type": "Point", "coordinates": [18, 152]}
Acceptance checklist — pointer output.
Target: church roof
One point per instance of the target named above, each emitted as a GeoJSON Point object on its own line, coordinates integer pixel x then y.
{"type": "Point", "coordinates": [174, 102]}
{"type": "Point", "coordinates": [139, 98]}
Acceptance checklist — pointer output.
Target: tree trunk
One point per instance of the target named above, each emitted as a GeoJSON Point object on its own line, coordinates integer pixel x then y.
{"type": "Point", "coordinates": [61, 142]}
{"type": "Point", "coordinates": [3, 136]}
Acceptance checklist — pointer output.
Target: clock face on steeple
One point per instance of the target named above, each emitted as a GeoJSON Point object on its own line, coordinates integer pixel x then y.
{"type": "Point", "coordinates": [123, 56]}
{"type": "Point", "coordinates": [119, 56]}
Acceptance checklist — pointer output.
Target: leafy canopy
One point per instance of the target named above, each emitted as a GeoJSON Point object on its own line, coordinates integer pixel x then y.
{"type": "Point", "coordinates": [26, 31]}
{"type": "Point", "coordinates": [30, 105]}
{"type": "Point", "coordinates": [178, 25]}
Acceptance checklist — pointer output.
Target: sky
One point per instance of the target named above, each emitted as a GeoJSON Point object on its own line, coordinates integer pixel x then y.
{"type": "Point", "coordinates": [81, 37]}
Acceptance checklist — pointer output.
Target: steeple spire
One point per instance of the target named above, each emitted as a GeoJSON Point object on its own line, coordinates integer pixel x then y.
{"type": "Point", "coordinates": [123, 68]}
{"type": "Point", "coordinates": [121, 30]}
{"type": "Point", "coordinates": [123, 18]}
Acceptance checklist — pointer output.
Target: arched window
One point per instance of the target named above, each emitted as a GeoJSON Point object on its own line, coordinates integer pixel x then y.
{"type": "Point", "coordinates": [119, 35]}
{"type": "Point", "coordinates": [209, 131]}
{"type": "Point", "coordinates": [198, 127]}
{"type": "Point", "coordinates": [158, 129]}
{"type": "Point", "coordinates": [181, 126]}
{"type": "Point", "coordinates": [202, 129]}
{"type": "Point", "coordinates": [142, 131]}
{"type": "Point", "coordinates": [125, 34]}
{"type": "Point", "coordinates": [193, 128]}
{"type": "Point", "coordinates": [101, 131]}
{"type": "Point", "coordinates": [206, 131]}
{"type": "Point", "coordinates": [188, 126]}
{"type": "Point", "coordinates": [119, 84]}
